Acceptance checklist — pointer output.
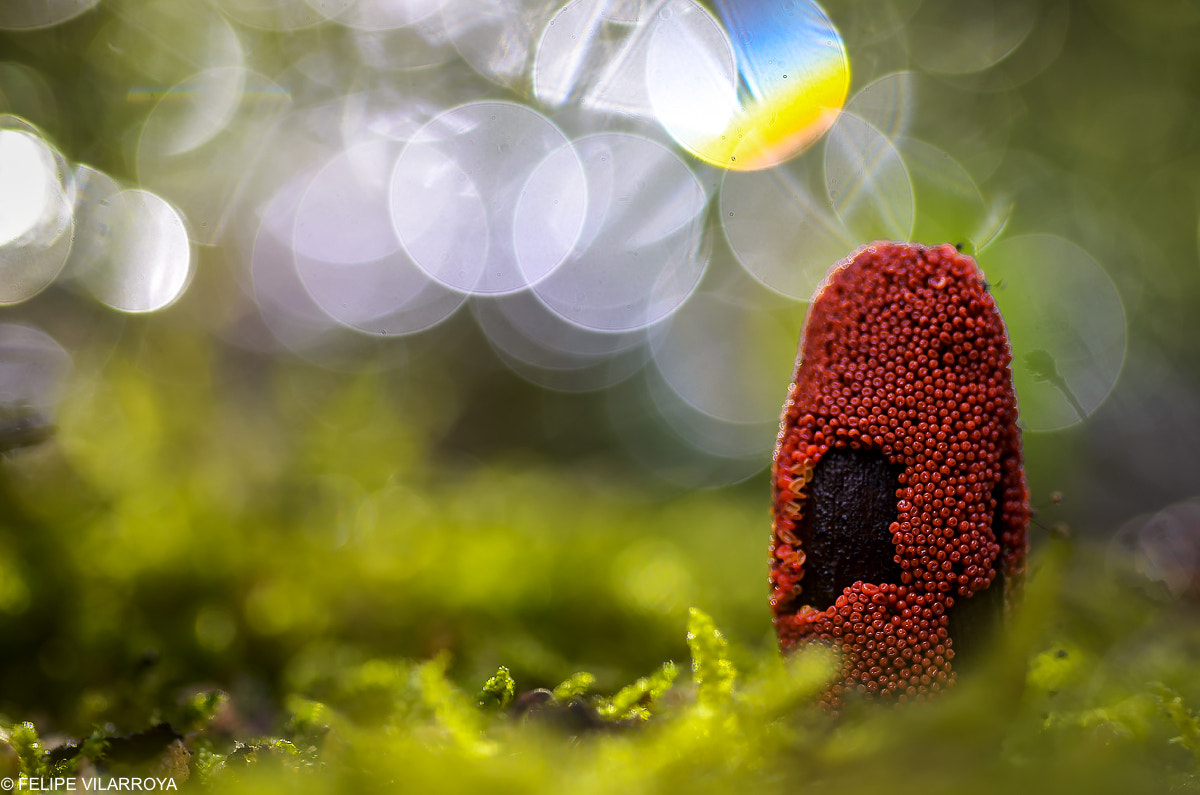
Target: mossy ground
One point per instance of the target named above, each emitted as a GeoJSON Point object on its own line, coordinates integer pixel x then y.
{"type": "Point", "coordinates": [287, 588]}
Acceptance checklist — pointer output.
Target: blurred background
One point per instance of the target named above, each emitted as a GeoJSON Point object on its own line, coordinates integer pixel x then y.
{"type": "Point", "coordinates": [396, 326]}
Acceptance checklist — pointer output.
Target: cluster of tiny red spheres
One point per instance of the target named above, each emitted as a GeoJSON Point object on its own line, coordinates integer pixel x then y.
{"type": "Point", "coordinates": [904, 352]}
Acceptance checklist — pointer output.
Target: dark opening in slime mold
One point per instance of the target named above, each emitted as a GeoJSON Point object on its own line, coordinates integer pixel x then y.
{"type": "Point", "coordinates": [900, 505]}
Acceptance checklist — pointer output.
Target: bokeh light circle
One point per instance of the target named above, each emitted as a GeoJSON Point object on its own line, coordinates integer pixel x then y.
{"type": "Point", "coordinates": [191, 113]}
{"type": "Point", "coordinates": [963, 38]}
{"type": "Point", "coordinates": [496, 37]}
{"type": "Point", "coordinates": [281, 15]}
{"type": "Point", "coordinates": [752, 97]}
{"type": "Point", "coordinates": [378, 15]}
{"type": "Point", "coordinates": [1163, 549]}
{"type": "Point", "coordinates": [952, 206]}
{"type": "Point", "coordinates": [347, 254]}
{"type": "Point", "coordinates": [592, 53]}
{"type": "Point", "coordinates": [285, 305]}
{"type": "Point", "coordinates": [679, 444]}
{"type": "Point", "coordinates": [162, 45]}
{"type": "Point", "coordinates": [1066, 324]}
{"type": "Point", "coordinates": [642, 249]}
{"type": "Point", "coordinates": [461, 188]}
{"type": "Point", "coordinates": [33, 371]}
{"type": "Point", "coordinates": [724, 358]}
{"type": "Point", "coordinates": [343, 216]}
{"type": "Point", "coordinates": [146, 260]}
{"type": "Point", "coordinates": [553, 353]}
{"type": "Point", "coordinates": [779, 230]}
{"type": "Point", "coordinates": [527, 316]}
{"type": "Point", "coordinates": [886, 103]}
{"type": "Point", "coordinates": [26, 183]}
{"type": "Point", "coordinates": [32, 14]}
{"type": "Point", "coordinates": [36, 220]}
{"type": "Point", "coordinates": [867, 182]}
{"type": "Point", "coordinates": [201, 154]}
{"type": "Point", "coordinates": [713, 436]}
{"type": "Point", "coordinates": [93, 188]}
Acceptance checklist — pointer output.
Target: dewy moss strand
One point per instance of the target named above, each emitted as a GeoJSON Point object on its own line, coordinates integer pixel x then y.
{"type": "Point", "coordinates": [574, 686]}
{"type": "Point", "coordinates": [712, 670]}
{"type": "Point", "coordinates": [636, 700]}
{"type": "Point", "coordinates": [498, 691]}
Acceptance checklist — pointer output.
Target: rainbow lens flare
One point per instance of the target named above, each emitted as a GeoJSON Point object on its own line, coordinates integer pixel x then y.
{"type": "Point", "coordinates": [751, 91]}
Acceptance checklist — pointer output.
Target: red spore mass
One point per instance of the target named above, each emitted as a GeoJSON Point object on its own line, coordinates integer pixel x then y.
{"type": "Point", "coordinates": [904, 372]}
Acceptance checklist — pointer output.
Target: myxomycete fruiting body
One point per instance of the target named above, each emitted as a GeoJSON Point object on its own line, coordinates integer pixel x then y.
{"type": "Point", "coordinates": [900, 506]}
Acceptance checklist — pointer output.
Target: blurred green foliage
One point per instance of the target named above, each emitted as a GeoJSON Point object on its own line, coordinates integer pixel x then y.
{"type": "Point", "coordinates": [286, 579]}
{"type": "Point", "coordinates": [186, 527]}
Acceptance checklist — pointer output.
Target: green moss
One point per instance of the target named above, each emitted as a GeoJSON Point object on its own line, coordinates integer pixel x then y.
{"type": "Point", "coordinates": [314, 612]}
{"type": "Point", "coordinates": [574, 686]}
{"type": "Point", "coordinates": [636, 701]}
{"type": "Point", "coordinates": [33, 759]}
{"type": "Point", "coordinates": [498, 690]}
{"type": "Point", "coordinates": [1184, 719]}
{"type": "Point", "coordinates": [712, 670]}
